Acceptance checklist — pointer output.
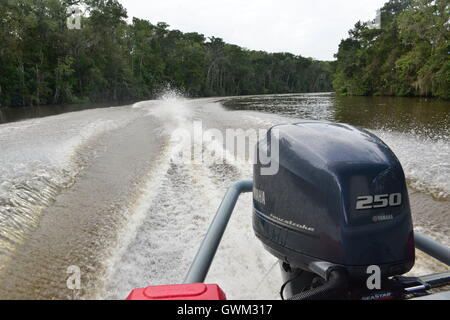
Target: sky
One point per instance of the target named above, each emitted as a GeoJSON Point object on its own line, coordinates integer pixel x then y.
{"type": "Point", "coordinates": [310, 28]}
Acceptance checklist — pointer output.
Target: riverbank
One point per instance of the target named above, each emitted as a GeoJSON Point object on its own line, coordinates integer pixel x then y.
{"type": "Point", "coordinates": [13, 114]}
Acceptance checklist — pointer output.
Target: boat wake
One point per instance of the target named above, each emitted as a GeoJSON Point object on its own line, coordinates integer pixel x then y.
{"type": "Point", "coordinates": [174, 213]}
{"type": "Point", "coordinates": [39, 159]}
{"type": "Point", "coordinates": [128, 208]}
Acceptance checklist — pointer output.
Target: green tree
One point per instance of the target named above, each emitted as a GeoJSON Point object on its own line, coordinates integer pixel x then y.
{"type": "Point", "coordinates": [407, 57]}
{"type": "Point", "coordinates": [43, 62]}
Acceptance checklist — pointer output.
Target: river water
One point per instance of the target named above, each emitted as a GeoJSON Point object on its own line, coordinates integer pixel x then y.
{"type": "Point", "coordinates": [100, 190]}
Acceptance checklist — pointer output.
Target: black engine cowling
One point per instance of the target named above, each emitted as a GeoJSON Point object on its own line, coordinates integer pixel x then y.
{"type": "Point", "coordinates": [339, 196]}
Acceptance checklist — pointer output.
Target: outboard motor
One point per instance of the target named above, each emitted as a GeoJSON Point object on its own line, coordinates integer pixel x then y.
{"type": "Point", "coordinates": [336, 206]}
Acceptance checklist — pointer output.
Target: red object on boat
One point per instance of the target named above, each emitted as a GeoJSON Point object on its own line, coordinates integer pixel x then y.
{"type": "Point", "coordinates": [196, 291]}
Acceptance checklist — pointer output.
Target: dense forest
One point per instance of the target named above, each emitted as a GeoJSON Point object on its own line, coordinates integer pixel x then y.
{"type": "Point", "coordinates": [407, 56]}
{"type": "Point", "coordinates": [42, 61]}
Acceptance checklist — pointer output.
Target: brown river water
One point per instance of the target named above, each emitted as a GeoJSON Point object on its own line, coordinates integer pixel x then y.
{"type": "Point", "coordinates": [97, 188]}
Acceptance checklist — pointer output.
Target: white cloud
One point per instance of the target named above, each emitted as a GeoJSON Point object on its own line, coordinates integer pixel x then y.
{"type": "Point", "coordinates": [311, 28]}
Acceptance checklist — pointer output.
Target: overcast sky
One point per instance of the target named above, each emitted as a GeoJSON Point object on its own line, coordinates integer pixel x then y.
{"type": "Point", "coordinates": [311, 28]}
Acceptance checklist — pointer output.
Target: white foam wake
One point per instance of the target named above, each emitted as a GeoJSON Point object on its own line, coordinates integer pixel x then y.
{"type": "Point", "coordinates": [38, 159]}
{"type": "Point", "coordinates": [426, 161]}
{"type": "Point", "coordinates": [175, 210]}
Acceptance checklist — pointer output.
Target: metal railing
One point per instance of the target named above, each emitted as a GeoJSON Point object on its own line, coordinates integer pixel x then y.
{"type": "Point", "coordinates": [432, 248]}
{"type": "Point", "coordinates": [205, 255]}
